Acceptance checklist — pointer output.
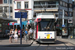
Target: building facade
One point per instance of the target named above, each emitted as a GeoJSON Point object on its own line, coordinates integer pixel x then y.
{"type": "Point", "coordinates": [6, 14]}
{"type": "Point", "coordinates": [56, 7]}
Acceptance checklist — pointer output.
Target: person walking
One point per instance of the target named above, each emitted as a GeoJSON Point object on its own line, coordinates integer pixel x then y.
{"type": "Point", "coordinates": [10, 36]}
{"type": "Point", "coordinates": [18, 33]}
{"type": "Point", "coordinates": [26, 34]}
{"type": "Point", "coordinates": [15, 35]}
{"type": "Point", "coordinates": [30, 32]}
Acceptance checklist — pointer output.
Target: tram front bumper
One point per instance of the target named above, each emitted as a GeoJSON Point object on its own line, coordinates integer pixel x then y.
{"type": "Point", "coordinates": [46, 40]}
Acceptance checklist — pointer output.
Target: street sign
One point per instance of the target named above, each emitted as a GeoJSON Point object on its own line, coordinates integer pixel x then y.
{"type": "Point", "coordinates": [63, 25]}
{"type": "Point", "coordinates": [20, 14]}
{"type": "Point", "coordinates": [17, 14]}
{"type": "Point", "coordinates": [24, 14]}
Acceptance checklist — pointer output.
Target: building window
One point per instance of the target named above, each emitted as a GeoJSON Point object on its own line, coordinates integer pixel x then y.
{"type": "Point", "coordinates": [70, 14]}
{"type": "Point", "coordinates": [36, 3]}
{"type": "Point", "coordinates": [5, 1]}
{"type": "Point", "coordinates": [10, 16]}
{"type": "Point", "coordinates": [65, 22]}
{"type": "Point", "coordinates": [1, 9]}
{"type": "Point", "coordinates": [26, 5]}
{"type": "Point", "coordinates": [10, 9]}
{"type": "Point", "coordinates": [61, 3]}
{"type": "Point", "coordinates": [66, 13]}
{"type": "Point", "coordinates": [70, 5]}
{"type": "Point", "coordinates": [5, 9]}
{"type": "Point", "coordinates": [10, 1]}
{"type": "Point", "coordinates": [64, 4]}
{"type": "Point", "coordinates": [18, 5]}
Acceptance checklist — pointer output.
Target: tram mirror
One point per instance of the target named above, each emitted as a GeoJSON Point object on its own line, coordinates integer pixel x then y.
{"type": "Point", "coordinates": [39, 19]}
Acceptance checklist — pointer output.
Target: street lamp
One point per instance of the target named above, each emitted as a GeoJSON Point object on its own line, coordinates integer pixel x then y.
{"type": "Point", "coordinates": [9, 8]}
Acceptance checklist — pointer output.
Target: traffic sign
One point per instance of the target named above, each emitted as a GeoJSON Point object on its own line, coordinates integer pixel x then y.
{"type": "Point", "coordinates": [20, 14]}
{"type": "Point", "coordinates": [63, 25]}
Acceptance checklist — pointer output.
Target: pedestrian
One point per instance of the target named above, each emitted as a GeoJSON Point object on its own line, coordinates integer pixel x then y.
{"type": "Point", "coordinates": [18, 33]}
{"type": "Point", "coordinates": [22, 32]}
{"type": "Point", "coordinates": [30, 32]}
{"type": "Point", "coordinates": [10, 36]}
{"type": "Point", "coordinates": [13, 31]}
{"type": "Point", "coordinates": [26, 34]}
{"type": "Point", "coordinates": [15, 35]}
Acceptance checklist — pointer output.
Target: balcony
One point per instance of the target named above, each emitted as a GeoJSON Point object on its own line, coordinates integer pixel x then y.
{"type": "Point", "coordinates": [55, 14]}
{"type": "Point", "coordinates": [47, 7]}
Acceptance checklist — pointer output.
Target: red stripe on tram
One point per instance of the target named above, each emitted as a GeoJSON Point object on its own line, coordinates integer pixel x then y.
{"type": "Point", "coordinates": [37, 31]}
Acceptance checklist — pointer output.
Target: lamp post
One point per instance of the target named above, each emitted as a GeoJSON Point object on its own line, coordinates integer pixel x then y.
{"type": "Point", "coordinates": [63, 18]}
{"type": "Point", "coordinates": [9, 8]}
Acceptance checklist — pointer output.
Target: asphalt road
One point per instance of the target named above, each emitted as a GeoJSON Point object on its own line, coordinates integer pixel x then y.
{"type": "Point", "coordinates": [59, 45]}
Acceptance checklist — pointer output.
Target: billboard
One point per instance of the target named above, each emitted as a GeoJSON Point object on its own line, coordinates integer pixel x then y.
{"type": "Point", "coordinates": [64, 31]}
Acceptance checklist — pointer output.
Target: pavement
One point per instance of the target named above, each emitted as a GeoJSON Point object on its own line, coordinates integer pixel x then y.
{"type": "Point", "coordinates": [5, 43]}
{"type": "Point", "coordinates": [66, 39]}
{"type": "Point", "coordinates": [33, 45]}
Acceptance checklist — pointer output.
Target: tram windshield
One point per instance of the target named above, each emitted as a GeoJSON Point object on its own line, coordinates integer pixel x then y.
{"type": "Point", "coordinates": [46, 25]}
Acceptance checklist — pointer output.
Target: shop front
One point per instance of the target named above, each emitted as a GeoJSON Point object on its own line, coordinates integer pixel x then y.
{"type": "Point", "coordinates": [71, 31]}
{"type": "Point", "coordinates": [67, 30]}
{"type": "Point", "coordinates": [4, 25]}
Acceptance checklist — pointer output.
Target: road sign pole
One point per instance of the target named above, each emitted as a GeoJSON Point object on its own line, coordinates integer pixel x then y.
{"type": "Point", "coordinates": [63, 18]}
{"type": "Point", "coordinates": [21, 30]}
{"type": "Point", "coordinates": [21, 14]}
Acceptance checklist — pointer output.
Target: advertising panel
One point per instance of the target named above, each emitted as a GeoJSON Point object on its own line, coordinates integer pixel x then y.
{"type": "Point", "coordinates": [64, 31]}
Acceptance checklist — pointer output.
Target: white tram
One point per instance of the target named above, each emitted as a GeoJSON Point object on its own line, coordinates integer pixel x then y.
{"type": "Point", "coordinates": [44, 28]}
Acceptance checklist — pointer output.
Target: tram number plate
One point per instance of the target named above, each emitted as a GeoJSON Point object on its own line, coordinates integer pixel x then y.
{"type": "Point", "coordinates": [48, 36]}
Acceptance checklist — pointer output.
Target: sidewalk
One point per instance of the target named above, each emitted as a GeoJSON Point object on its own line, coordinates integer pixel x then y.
{"type": "Point", "coordinates": [6, 42]}
{"type": "Point", "coordinates": [66, 40]}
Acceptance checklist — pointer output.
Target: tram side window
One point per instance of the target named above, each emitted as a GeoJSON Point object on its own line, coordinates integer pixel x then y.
{"type": "Point", "coordinates": [39, 27]}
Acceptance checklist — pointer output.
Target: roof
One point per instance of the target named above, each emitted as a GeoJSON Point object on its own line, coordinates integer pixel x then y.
{"type": "Point", "coordinates": [8, 19]}
{"type": "Point", "coordinates": [45, 15]}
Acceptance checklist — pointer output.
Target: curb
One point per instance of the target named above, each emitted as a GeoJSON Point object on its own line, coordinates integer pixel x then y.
{"type": "Point", "coordinates": [17, 45]}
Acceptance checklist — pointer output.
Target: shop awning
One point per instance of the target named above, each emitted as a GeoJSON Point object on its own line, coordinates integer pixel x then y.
{"type": "Point", "coordinates": [23, 23]}
{"type": "Point", "coordinates": [13, 24]}
{"type": "Point", "coordinates": [8, 19]}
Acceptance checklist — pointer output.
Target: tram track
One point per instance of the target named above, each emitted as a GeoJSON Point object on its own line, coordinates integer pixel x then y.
{"type": "Point", "coordinates": [37, 47]}
{"type": "Point", "coordinates": [47, 47]}
{"type": "Point", "coordinates": [68, 47]}
{"type": "Point", "coordinates": [41, 45]}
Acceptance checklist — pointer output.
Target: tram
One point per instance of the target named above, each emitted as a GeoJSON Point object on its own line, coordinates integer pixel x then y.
{"type": "Point", "coordinates": [44, 28]}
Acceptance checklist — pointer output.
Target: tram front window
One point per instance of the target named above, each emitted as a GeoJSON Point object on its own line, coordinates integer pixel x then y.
{"type": "Point", "coordinates": [46, 25]}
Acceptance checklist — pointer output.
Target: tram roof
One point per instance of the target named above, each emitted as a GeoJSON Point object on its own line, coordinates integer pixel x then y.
{"type": "Point", "coordinates": [46, 15]}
